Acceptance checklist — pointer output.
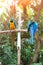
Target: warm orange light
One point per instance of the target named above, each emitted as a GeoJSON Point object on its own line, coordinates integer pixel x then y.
{"type": "Point", "coordinates": [13, 9]}
{"type": "Point", "coordinates": [24, 4]}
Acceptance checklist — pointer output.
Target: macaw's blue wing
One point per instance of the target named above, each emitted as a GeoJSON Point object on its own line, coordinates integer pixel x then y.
{"type": "Point", "coordinates": [8, 25]}
{"type": "Point", "coordinates": [35, 27]}
{"type": "Point", "coordinates": [15, 23]}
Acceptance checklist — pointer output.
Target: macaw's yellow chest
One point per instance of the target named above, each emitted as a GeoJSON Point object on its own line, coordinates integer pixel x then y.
{"type": "Point", "coordinates": [12, 26]}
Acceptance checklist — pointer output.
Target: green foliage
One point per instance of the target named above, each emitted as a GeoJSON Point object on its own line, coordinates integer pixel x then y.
{"type": "Point", "coordinates": [27, 52]}
{"type": "Point", "coordinates": [9, 57]}
{"type": "Point", "coordinates": [36, 64]}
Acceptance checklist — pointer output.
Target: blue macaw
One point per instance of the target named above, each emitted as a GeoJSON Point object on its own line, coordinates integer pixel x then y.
{"type": "Point", "coordinates": [32, 27]}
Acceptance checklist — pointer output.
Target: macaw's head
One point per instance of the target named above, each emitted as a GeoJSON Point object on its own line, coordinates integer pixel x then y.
{"type": "Point", "coordinates": [11, 20]}
{"type": "Point", "coordinates": [32, 19]}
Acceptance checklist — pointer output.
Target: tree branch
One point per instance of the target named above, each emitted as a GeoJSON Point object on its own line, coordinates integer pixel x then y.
{"type": "Point", "coordinates": [16, 30]}
{"type": "Point", "coordinates": [37, 49]}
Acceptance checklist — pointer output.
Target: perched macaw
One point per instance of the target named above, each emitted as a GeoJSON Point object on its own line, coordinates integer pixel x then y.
{"type": "Point", "coordinates": [32, 27]}
{"type": "Point", "coordinates": [12, 26]}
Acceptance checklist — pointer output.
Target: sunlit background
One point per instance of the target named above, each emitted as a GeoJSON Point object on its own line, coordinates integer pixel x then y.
{"type": "Point", "coordinates": [7, 6]}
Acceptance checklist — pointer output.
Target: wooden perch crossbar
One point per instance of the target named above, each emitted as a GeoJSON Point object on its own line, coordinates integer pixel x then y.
{"type": "Point", "coordinates": [16, 30]}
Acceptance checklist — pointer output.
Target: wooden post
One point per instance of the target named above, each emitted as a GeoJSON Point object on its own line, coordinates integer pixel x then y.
{"type": "Point", "coordinates": [0, 63]}
{"type": "Point", "coordinates": [19, 54]}
{"type": "Point", "coordinates": [19, 47]}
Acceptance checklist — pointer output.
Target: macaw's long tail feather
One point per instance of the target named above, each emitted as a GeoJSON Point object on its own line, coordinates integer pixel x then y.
{"type": "Point", "coordinates": [32, 36]}
{"type": "Point", "coordinates": [12, 39]}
